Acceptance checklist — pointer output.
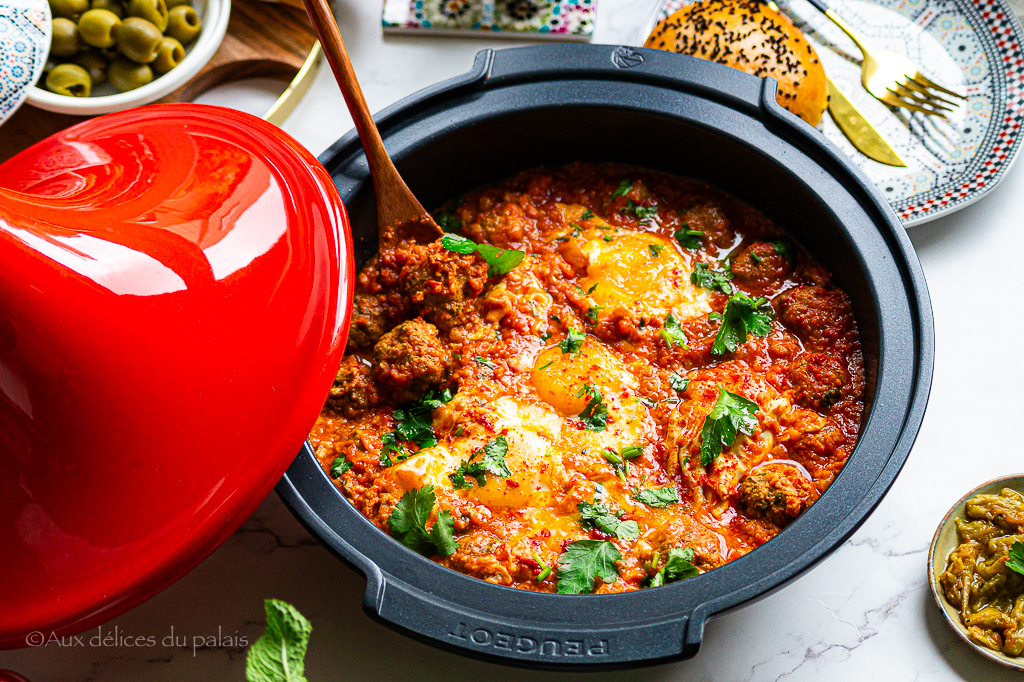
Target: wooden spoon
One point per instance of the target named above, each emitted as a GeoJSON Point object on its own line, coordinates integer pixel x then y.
{"type": "Point", "coordinates": [399, 214]}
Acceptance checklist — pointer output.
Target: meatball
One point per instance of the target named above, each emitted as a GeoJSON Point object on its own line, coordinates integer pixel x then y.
{"type": "Point", "coordinates": [818, 379]}
{"type": "Point", "coordinates": [711, 220]}
{"type": "Point", "coordinates": [369, 322]}
{"type": "Point", "coordinates": [761, 263]}
{"type": "Point", "coordinates": [410, 360]}
{"type": "Point", "coordinates": [683, 531]}
{"type": "Point", "coordinates": [438, 283]}
{"type": "Point", "coordinates": [354, 391]}
{"type": "Point", "coordinates": [817, 315]}
{"type": "Point", "coordinates": [777, 493]}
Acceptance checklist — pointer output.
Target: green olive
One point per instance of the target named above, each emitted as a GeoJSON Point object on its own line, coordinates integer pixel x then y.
{"type": "Point", "coordinates": [69, 79]}
{"type": "Point", "coordinates": [94, 63]}
{"type": "Point", "coordinates": [138, 40]}
{"type": "Point", "coordinates": [68, 9]}
{"type": "Point", "coordinates": [124, 74]}
{"type": "Point", "coordinates": [65, 41]}
{"type": "Point", "coordinates": [98, 27]}
{"type": "Point", "coordinates": [169, 55]}
{"type": "Point", "coordinates": [114, 6]}
{"type": "Point", "coordinates": [183, 24]}
{"type": "Point", "coordinates": [153, 11]}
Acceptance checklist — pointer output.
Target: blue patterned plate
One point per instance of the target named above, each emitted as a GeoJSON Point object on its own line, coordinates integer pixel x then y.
{"type": "Point", "coordinates": [24, 44]}
{"type": "Point", "coordinates": [970, 46]}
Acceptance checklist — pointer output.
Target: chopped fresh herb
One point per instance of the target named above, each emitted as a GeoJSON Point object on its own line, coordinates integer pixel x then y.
{"type": "Point", "coordinates": [657, 497]}
{"type": "Point", "coordinates": [754, 257]}
{"type": "Point", "coordinates": [742, 315]}
{"type": "Point", "coordinates": [785, 250]}
{"type": "Point", "coordinates": [642, 323]}
{"type": "Point", "coordinates": [546, 364]}
{"type": "Point", "coordinates": [572, 342]}
{"type": "Point", "coordinates": [594, 310]}
{"type": "Point", "coordinates": [583, 562]}
{"type": "Point", "coordinates": [339, 466]}
{"type": "Point", "coordinates": [607, 237]}
{"type": "Point", "coordinates": [592, 288]}
{"type": "Point", "coordinates": [545, 336]}
{"type": "Point", "coordinates": [714, 280]}
{"type": "Point", "coordinates": [623, 189]}
{"type": "Point", "coordinates": [499, 261]}
{"type": "Point", "coordinates": [731, 414]}
{"type": "Point", "coordinates": [587, 215]}
{"type": "Point", "coordinates": [408, 522]}
{"type": "Point", "coordinates": [678, 566]}
{"type": "Point", "coordinates": [388, 445]}
{"type": "Point", "coordinates": [646, 401]}
{"type": "Point", "coordinates": [620, 460]}
{"type": "Point", "coordinates": [595, 414]}
{"type": "Point", "coordinates": [642, 213]}
{"type": "Point", "coordinates": [677, 382]}
{"type": "Point", "coordinates": [673, 333]}
{"type": "Point", "coordinates": [554, 317]}
{"type": "Point", "coordinates": [598, 515]}
{"type": "Point", "coordinates": [484, 361]}
{"type": "Point", "coordinates": [577, 230]}
{"type": "Point", "coordinates": [488, 459]}
{"type": "Point", "coordinates": [545, 569]}
{"type": "Point", "coordinates": [279, 654]}
{"type": "Point", "coordinates": [631, 452]}
{"type": "Point", "coordinates": [459, 430]}
{"type": "Point", "coordinates": [656, 249]}
{"type": "Point", "coordinates": [689, 239]}
{"type": "Point", "coordinates": [447, 222]}
{"type": "Point", "coordinates": [1015, 560]}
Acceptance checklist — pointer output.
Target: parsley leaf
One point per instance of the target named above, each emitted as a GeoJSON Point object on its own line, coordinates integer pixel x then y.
{"type": "Point", "coordinates": [491, 460]}
{"type": "Point", "coordinates": [598, 515]}
{"type": "Point", "coordinates": [545, 336]}
{"type": "Point", "coordinates": [742, 315]}
{"type": "Point", "coordinates": [413, 423]}
{"type": "Point", "coordinates": [484, 362]}
{"type": "Point", "coordinates": [408, 522]}
{"type": "Point", "coordinates": [278, 656]}
{"type": "Point", "coordinates": [657, 497]}
{"type": "Point", "coordinates": [339, 466]}
{"type": "Point", "coordinates": [587, 215]}
{"type": "Point", "coordinates": [592, 313]}
{"type": "Point", "coordinates": [656, 249]}
{"type": "Point", "coordinates": [678, 566]}
{"type": "Point", "coordinates": [677, 382]}
{"type": "Point", "coordinates": [447, 222]}
{"type": "Point", "coordinates": [673, 333]}
{"type": "Point", "coordinates": [500, 261]}
{"type": "Point", "coordinates": [1016, 557]}
{"type": "Point", "coordinates": [595, 414]}
{"type": "Point", "coordinates": [689, 239]}
{"type": "Point", "coordinates": [642, 213]}
{"type": "Point", "coordinates": [731, 414]}
{"type": "Point", "coordinates": [572, 342]}
{"type": "Point", "coordinates": [714, 280]}
{"type": "Point", "coordinates": [785, 250]}
{"type": "Point", "coordinates": [623, 189]}
{"type": "Point", "coordinates": [583, 562]}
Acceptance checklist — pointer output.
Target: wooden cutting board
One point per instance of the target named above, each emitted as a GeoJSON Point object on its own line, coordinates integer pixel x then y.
{"type": "Point", "coordinates": [264, 40]}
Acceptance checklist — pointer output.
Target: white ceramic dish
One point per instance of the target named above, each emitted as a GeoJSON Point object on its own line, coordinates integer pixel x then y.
{"type": "Point", "coordinates": [215, 15]}
{"type": "Point", "coordinates": [943, 543]}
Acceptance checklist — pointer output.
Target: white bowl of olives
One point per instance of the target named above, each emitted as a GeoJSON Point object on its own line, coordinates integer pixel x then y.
{"type": "Point", "coordinates": [109, 55]}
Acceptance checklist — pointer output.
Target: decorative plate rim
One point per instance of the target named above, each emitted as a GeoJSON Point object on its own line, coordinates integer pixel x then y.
{"type": "Point", "coordinates": [43, 52]}
{"type": "Point", "coordinates": [1001, 36]}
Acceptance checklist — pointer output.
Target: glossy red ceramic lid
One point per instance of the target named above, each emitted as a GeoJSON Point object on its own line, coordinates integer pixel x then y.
{"type": "Point", "coordinates": [174, 296]}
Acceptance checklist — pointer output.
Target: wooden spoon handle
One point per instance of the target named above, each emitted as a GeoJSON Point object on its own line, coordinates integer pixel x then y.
{"type": "Point", "coordinates": [396, 204]}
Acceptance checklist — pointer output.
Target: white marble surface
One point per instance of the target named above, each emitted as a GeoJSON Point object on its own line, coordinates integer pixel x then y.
{"type": "Point", "coordinates": [865, 613]}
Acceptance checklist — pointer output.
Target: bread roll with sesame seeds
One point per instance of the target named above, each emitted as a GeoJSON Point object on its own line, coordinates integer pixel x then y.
{"type": "Point", "coordinates": [750, 36]}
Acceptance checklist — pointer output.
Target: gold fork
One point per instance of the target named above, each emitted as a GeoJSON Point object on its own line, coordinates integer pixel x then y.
{"type": "Point", "coordinates": [894, 79]}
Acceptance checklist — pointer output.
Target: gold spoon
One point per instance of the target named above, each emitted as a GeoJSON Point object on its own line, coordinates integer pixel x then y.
{"type": "Point", "coordinates": [400, 216]}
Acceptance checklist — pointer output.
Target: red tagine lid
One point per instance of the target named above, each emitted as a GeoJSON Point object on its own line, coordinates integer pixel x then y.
{"type": "Point", "coordinates": [174, 300]}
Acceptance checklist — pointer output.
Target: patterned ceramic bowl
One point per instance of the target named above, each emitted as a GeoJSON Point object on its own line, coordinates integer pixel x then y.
{"type": "Point", "coordinates": [943, 543]}
{"type": "Point", "coordinates": [105, 99]}
{"type": "Point", "coordinates": [24, 43]}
